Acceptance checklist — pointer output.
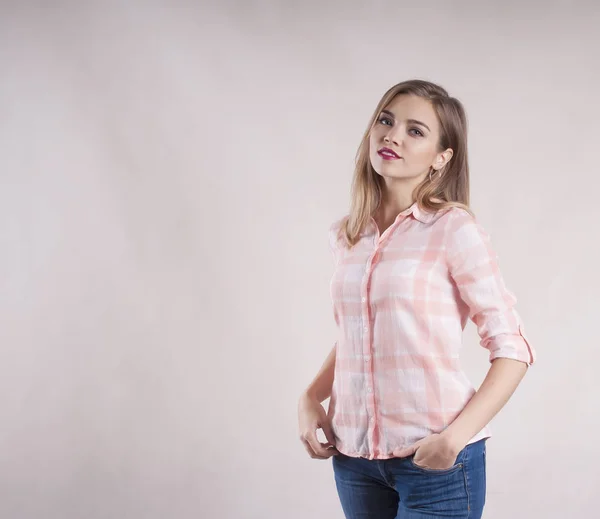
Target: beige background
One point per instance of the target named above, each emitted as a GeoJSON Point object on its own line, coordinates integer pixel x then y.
{"type": "Point", "coordinates": [168, 179]}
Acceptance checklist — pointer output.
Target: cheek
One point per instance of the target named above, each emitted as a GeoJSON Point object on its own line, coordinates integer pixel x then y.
{"type": "Point", "coordinates": [373, 144]}
{"type": "Point", "coordinates": [421, 151]}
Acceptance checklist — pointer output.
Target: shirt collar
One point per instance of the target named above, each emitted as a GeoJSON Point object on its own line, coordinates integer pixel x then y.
{"type": "Point", "coordinates": [420, 214]}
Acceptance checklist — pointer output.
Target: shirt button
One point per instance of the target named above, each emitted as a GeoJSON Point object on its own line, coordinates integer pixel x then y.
{"type": "Point", "coordinates": [364, 299]}
{"type": "Point", "coordinates": [369, 390]}
{"type": "Point", "coordinates": [367, 358]}
{"type": "Point", "coordinates": [366, 328]}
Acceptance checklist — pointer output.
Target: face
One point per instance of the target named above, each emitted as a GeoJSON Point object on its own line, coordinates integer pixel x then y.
{"type": "Point", "coordinates": [403, 143]}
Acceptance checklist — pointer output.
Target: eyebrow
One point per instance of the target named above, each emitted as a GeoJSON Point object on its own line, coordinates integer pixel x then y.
{"type": "Point", "coordinates": [413, 121]}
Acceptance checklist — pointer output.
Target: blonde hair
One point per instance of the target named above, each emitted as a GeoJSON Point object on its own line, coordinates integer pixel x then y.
{"type": "Point", "coordinates": [449, 188]}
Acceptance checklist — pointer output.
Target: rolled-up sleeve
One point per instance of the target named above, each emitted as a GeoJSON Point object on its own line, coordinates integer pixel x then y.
{"type": "Point", "coordinates": [473, 265]}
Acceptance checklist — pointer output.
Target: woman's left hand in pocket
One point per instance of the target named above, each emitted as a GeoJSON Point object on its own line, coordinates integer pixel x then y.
{"type": "Point", "coordinates": [436, 452]}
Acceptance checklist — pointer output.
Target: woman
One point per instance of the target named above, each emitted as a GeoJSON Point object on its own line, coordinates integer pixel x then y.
{"type": "Point", "coordinates": [406, 428]}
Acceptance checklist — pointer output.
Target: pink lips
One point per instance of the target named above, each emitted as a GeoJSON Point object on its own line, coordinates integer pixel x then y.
{"type": "Point", "coordinates": [387, 154]}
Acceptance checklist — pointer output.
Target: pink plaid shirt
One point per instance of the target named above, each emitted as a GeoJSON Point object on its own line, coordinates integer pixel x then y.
{"type": "Point", "coordinates": [401, 301]}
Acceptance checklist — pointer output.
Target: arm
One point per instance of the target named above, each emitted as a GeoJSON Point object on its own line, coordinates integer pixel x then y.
{"type": "Point", "coordinates": [312, 416]}
{"type": "Point", "coordinates": [473, 265]}
{"type": "Point", "coordinates": [500, 383]}
{"type": "Point", "coordinates": [320, 388]}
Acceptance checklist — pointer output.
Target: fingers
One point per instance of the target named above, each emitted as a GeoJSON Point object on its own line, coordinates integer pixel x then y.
{"type": "Point", "coordinates": [403, 453]}
{"type": "Point", "coordinates": [312, 416]}
{"type": "Point", "coordinates": [328, 431]}
{"type": "Point", "coordinates": [407, 451]}
{"type": "Point", "coordinates": [315, 448]}
{"type": "Point", "coordinates": [314, 455]}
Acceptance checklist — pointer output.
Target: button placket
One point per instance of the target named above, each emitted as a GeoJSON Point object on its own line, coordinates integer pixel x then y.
{"type": "Point", "coordinates": [368, 350]}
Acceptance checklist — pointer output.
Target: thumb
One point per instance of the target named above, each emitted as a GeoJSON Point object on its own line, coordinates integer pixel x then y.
{"type": "Point", "coordinates": [406, 451]}
{"type": "Point", "coordinates": [328, 431]}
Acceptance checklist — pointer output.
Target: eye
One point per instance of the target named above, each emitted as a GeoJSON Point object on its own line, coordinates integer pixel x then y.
{"type": "Point", "coordinates": [384, 120]}
{"type": "Point", "coordinates": [417, 130]}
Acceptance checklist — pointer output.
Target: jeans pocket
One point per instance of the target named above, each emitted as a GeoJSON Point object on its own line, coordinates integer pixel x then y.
{"type": "Point", "coordinates": [457, 466]}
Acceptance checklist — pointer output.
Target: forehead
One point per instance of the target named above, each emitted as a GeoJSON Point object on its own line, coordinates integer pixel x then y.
{"type": "Point", "coordinates": [406, 106]}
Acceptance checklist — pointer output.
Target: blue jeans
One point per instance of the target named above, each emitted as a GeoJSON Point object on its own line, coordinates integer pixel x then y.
{"type": "Point", "coordinates": [397, 488]}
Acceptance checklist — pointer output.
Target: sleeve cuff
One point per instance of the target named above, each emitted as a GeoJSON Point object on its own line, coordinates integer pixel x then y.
{"type": "Point", "coordinates": [515, 347]}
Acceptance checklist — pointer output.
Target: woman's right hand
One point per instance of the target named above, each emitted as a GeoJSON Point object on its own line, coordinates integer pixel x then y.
{"type": "Point", "coordinates": [312, 416]}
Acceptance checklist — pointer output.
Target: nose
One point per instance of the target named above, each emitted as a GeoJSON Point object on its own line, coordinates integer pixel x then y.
{"type": "Point", "coordinates": [392, 135]}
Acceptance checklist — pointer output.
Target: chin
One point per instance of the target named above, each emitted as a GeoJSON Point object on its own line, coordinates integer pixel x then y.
{"type": "Point", "coordinates": [389, 170]}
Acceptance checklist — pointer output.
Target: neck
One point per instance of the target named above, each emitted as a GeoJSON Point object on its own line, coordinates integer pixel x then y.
{"type": "Point", "coordinates": [393, 203]}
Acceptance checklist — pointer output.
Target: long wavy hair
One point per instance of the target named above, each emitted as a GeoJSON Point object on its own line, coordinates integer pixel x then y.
{"type": "Point", "coordinates": [449, 187]}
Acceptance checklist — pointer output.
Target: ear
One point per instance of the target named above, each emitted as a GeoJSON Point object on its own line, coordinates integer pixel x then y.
{"type": "Point", "coordinates": [442, 159]}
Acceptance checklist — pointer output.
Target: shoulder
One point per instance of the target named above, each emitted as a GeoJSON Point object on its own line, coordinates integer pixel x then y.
{"type": "Point", "coordinates": [463, 231]}
{"type": "Point", "coordinates": [337, 224]}
{"type": "Point", "coordinates": [454, 218]}
{"type": "Point", "coordinates": [334, 229]}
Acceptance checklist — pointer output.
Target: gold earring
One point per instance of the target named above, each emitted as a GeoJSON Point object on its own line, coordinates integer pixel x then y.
{"type": "Point", "coordinates": [433, 169]}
